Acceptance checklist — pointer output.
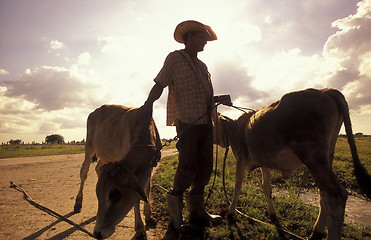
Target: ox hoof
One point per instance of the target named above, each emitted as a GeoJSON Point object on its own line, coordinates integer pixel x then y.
{"type": "Point", "coordinates": [77, 208]}
{"type": "Point", "coordinates": [231, 218]}
{"type": "Point", "coordinates": [140, 236]}
{"type": "Point", "coordinates": [98, 235]}
{"type": "Point", "coordinates": [151, 223]}
{"type": "Point", "coordinates": [317, 236]}
{"type": "Point", "coordinates": [274, 219]}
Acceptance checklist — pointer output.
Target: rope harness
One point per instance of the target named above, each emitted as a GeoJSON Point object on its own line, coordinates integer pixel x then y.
{"type": "Point", "coordinates": [167, 142]}
{"type": "Point", "coordinates": [48, 210]}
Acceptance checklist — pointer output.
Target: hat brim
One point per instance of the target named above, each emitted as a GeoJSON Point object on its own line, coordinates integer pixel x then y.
{"type": "Point", "coordinates": [188, 26]}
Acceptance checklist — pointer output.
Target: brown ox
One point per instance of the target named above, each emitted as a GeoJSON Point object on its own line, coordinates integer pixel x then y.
{"type": "Point", "coordinates": [127, 145]}
{"type": "Point", "coordinates": [300, 129]}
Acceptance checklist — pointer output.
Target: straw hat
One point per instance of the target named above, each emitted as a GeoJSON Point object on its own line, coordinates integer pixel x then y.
{"type": "Point", "coordinates": [191, 25]}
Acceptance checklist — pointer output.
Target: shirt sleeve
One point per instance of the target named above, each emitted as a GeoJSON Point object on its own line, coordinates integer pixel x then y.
{"type": "Point", "coordinates": [165, 76]}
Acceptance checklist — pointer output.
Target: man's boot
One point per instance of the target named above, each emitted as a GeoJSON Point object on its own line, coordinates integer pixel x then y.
{"type": "Point", "coordinates": [197, 213]}
{"type": "Point", "coordinates": [175, 207]}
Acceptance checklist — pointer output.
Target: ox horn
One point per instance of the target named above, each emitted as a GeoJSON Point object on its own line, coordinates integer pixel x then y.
{"type": "Point", "coordinates": [140, 193]}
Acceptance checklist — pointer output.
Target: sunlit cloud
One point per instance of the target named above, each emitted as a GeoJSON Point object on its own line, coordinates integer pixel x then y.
{"type": "Point", "coordinates": [351, 46]}
{"type": "Point", "coordinates": [55, 45]}
{"type": "Point", "coordinates": [84, 58]}
{"type": "Point", "coordinates": [53, 88]}
{"type": "Point", "coordinates": [3, 72]}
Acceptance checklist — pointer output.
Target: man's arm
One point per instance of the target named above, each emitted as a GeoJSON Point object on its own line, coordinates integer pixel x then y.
{"type": "Point", "coordinates": [154, 94]}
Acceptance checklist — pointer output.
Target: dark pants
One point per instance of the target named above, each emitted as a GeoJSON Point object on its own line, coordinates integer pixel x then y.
{"type": "Point", "coordinates": [195, 165]}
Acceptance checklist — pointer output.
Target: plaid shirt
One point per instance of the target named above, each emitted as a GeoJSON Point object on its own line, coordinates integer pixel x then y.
{"type": "Point", "coordinates": [190, 88]}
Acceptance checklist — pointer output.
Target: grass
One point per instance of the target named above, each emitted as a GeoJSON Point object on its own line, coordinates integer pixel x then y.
{"type": "Point", "coordinates": [14, 151]}
{"type": "Point", "coordinates": [32, 150]}
{"type": "Point", "coordinates": [293, 214]}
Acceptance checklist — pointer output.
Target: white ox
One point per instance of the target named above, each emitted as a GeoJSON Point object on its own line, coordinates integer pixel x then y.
{"type": "Point", "coordinates": [127, 145]}
{"type": "Point", "coordinates": [300, 129]}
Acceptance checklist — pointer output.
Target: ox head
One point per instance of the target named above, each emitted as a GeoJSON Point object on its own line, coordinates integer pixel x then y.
{"type": "Point", "coordinates": [118, 189]}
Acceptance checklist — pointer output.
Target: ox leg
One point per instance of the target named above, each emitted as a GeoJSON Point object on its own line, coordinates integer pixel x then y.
{"type": "Point", "coordinates": [139, 226]}
{"type": "Point", "coordinates": [267, 188]}
{"type": "Point", "coordinates": [98, 167]}
{"type": "Point", "coordinates": [83, 175]}
{"type": "Point", "coordinates": [333, 198]}
{"type": "Point", "coordinates": [319, 226]}
{"type": "Point", "coordinates": [240, 172]}
{"type": "Point", "coordinates": [147, 211]}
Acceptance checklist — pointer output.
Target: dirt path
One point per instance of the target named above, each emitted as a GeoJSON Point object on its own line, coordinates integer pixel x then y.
{"type": "Point", "coordinates": [53, 181]}
{"type": "Point", "coordinates": [357, 211]}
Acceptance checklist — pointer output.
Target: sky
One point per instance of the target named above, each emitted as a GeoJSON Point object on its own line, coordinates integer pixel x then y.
{"type": "Point", "coordinates": [60, 60]}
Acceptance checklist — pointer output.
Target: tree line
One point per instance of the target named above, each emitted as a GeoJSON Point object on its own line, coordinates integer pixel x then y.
{"type": "Point", "coordinates": [50, 139]}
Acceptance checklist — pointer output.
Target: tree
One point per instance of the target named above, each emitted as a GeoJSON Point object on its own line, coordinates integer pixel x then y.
{"type": "Point", "coordinates": [54, 138]}
{"type": "Point", "coordinates": [15, 142]}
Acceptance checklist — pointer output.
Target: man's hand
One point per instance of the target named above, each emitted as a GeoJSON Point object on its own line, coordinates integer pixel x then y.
{"type": "Point", "coordinates": [223, 99]}
{"type": "Point", "coordinates": [154, 94]}
{"type": "Point", "coordinates": [147, 109]}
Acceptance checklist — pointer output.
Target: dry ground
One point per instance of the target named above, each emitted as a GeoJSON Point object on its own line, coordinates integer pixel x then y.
{"type": "Point", "coordinates": [53, 181]}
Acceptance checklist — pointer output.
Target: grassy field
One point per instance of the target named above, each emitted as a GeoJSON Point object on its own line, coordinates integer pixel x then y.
{"type": "Point", "coordinates": [29, 150]}
{"type": "Point", "coordinates": [293, 214]}
{"type": "Point", "coordinates": [14, 151]}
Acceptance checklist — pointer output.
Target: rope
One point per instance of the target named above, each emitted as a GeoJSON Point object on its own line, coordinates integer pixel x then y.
{"type": "Point", "coordinates": [223, 174]}
{"type": "Point", "coordinates": [242, 109]}
{"type": "Point", "coordinates": [48, 210]}
{"type": "Point", "coordinates": [161, 187]}
{"type": "Point", "coordinates": [281, 229]}
{"type": "Point", "coordinates": [167, 142]}
{"type": "Point", "coordinates": [215, 171]}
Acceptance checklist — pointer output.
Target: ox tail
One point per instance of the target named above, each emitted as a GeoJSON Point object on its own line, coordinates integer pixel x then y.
{"type": "Point", "coordinates": [363, 178]}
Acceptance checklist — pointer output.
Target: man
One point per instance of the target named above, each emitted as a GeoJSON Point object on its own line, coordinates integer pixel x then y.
{"type": "Point", "coordinates": [189, 105]}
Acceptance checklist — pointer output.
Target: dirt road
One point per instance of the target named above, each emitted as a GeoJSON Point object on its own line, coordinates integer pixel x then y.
{"type": "Point", "coordinates": [53, 182]}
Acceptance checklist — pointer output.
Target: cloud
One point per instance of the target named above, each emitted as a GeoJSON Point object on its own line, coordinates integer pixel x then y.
{"type": "Point", "coordinates": [16, 115]}
{"type": "Point", "coordinates": [55, 45]}
{"type": "Point", "coordinates": [256, 75]}
{"type": "Point", "coordinates": [54, 88]}
{"type": "Point", "coordinates": [3, 72]}
{"type": "Point", "coordinates": [84, 58]}
{"type": "Point", "coordinates": [351, 46]}
{"type": "Point", "coordinates": [21, 119]}
{"type": "Point", "coordinates": [295, 24]}
{"type": "Point", "coordinates": [234, 79]}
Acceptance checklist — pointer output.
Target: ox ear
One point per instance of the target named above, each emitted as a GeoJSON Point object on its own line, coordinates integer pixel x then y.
{"type": "Point", "coordinates": [130, 180]}
{"type": "Point", "coordinates": [134, 184]}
